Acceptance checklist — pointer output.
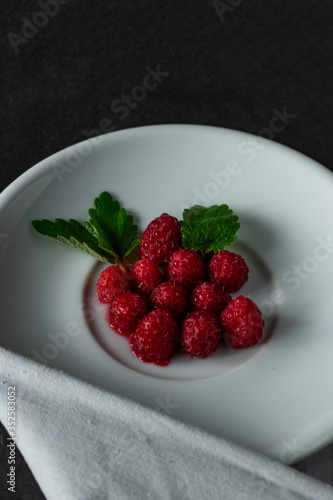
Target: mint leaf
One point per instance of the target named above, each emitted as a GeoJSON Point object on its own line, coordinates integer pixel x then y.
{"type": "Point", "coordinates": [91, 229]}
{"type": "Point", "coordinates": [115, 230]}
{"type": "Point", "coordinates": [103, 238]}
{"type": "Point", "coordinates": [72, 233]}
{"type": "Point", "coordinates": [209, 229]}
{"type": "Point", "coordinates": [109, 235]}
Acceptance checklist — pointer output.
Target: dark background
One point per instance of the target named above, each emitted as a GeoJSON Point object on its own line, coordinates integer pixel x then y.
{"type": "Point", "coordinates": [230, 64]}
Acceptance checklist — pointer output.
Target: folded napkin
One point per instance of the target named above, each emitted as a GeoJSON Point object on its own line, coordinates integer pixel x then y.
{"type": "Point", "coordinates": [84, 443]}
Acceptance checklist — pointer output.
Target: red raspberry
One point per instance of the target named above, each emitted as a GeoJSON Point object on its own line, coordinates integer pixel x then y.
{"type": "Point", "coordinates": [229, 270]}
{"type": "Point", "coordinates": [186, 267]}
{"type": "Point", "coordinates": [126, 311]}
{"type": "Point", "coordinates": [112, 282]}
{"type": "Point", "coordinates": [209, 296]}
{"type": "Point", "coordinates": [200, 333]}
{"type": "Point", "coordinates": [160, 239]}
{"type": "Point", "coordinates": [156, 337]}
{"type": "Point", "coordinates": [242, 322]}
{"type": "Point", "coordinates": [146, 276]}
{"type": "Point", "coordinates": [171, 295]}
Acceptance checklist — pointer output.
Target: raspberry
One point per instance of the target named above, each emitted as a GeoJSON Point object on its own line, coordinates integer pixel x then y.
{"type": "Point", "coordinates": [200, 333]}
{"type": "Point", "coordinates": [125, 312]}
{"type": "Point", "coordinates": [242, 322]}
{"type": "Point", "coordinates": [156, 337]}
{"type": "Point", "coordinates": [112, 282]}
{"type": "Point", "coordinates": [186, 267]}
{"type": "Point", "coordinates": [171, 295]}
{"type": "Point", "coordinates": [229, 270]}
{"type": "Point", "coordinates": [160, 239]}
{"type": "Point", "coordinates": [209, 296]}
{"type": "Point", "coordinates": [146, 276]}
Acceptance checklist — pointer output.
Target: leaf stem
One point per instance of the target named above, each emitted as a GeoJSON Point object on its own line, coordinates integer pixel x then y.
{"type": "Point", "coordinates": [123, 267]}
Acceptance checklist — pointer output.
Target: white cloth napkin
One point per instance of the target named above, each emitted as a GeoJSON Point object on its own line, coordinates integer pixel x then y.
{"type": "Point", "coordinates": [83, 443]}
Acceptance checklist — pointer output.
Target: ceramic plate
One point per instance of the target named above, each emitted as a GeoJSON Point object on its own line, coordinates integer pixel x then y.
{"type": "Point", "coordinates": [275, 397]}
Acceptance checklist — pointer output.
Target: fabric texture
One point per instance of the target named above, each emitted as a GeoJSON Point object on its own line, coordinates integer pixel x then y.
{"type": "Point", "coordinates": [83, 443]}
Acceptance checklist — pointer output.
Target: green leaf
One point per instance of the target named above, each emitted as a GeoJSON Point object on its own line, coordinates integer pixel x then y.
{"type": "Point", "coordinates": [115, 230]}
{"type": "Point", "coordinates": [91, 229]}
{"type": "Point", "coordinates": [209, 229]}
{"type": "Point", "coordinates": [74, 234]}
{"type": "Point", "coordinates": [104, 239]}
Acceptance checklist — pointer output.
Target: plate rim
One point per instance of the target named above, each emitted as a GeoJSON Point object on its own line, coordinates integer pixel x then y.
{"type": "Point", "coordinates": [39, 167]}
{"type": "Point", "coordinates": [34, 172]}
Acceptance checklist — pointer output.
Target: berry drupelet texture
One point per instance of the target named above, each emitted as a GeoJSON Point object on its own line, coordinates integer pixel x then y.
{"type": "Point", "coordinates": [112, 282]}
{"type": "Point", "coordinates": [125, 312]}
{"type": "Point", "coordinates": [242, 322]}
{"type": "Point", "coordinates": [200, 333]}
{"type": "Point", "coordinates": [186, 267]}
{"type": "Point", "coordinates": [160, 239]}
{"type": "Point", "coordinates": [209, 296]}
{"type": "Point", "coordinates": [229, 270]}
{"type": "Point", "coordinates": [146, 275]}
{"type": "Point", "coordinates": [156, 337]}
{"type": "Point", "coordinates": [176, 299]}
{"type": "Point", "coordinates": [171, 295]}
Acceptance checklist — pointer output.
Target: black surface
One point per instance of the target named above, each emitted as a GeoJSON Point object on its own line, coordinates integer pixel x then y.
{"type": "Point", "coordinates": [230, 69]}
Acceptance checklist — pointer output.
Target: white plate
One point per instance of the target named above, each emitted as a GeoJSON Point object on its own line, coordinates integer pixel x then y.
{"type": "Point", "coordinates": [275, 397]}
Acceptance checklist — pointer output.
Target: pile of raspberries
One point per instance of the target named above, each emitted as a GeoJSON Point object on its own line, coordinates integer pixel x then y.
{"type": "Point", "coordinates": [174, 299]}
